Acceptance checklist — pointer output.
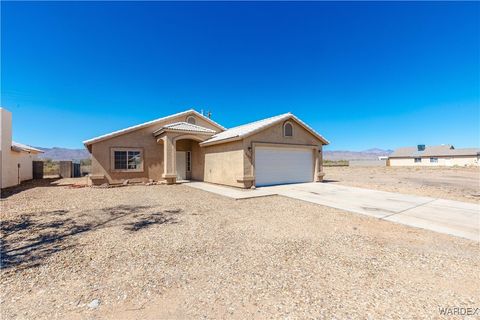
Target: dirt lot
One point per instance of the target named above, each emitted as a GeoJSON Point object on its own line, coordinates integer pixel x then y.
{"type": "Point", "coordinates": [151, 252]}
{"type": "Point", "coordinates": [462, 184]}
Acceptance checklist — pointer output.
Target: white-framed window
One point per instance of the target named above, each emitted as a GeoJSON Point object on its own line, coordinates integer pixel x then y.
{"type": "Point", "coordinates": [189, 161]}
{"type": "Point", "coordinates": [287, 129]}
{"type": "Point", "coordinates": [433, 160]}
{"type": "Point", "coordinates": [191, 120]}
{"type": "Point", "coordinates": [418, 160]}
{"type": "Point", "coordinates": [127, 159]}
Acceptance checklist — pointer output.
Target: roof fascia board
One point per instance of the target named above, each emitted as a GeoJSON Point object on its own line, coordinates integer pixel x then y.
{"type": "Point", "coordinates": [159, 132]}
{"type": "Point", "coordinates": [232, 139]}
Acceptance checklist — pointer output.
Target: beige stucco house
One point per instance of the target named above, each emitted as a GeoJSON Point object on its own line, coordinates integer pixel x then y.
{"type": "Point", "coordinates": [190, 146]}
{"type": "Point", "coordinates": [431, 156]}
{"type": "Point", "coordinates": [15, 158]}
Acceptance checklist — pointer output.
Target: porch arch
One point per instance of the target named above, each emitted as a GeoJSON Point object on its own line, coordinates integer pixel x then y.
{"type": "Point", "coordinates": [190, 137]}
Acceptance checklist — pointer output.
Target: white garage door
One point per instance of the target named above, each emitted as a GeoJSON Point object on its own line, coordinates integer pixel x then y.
{"type": "Point", "coordinates": [276, 165]}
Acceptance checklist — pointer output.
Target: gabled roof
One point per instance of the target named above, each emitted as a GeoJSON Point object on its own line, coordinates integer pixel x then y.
{"type": "Point", "coordinates": [183, 127]}
{"type": "Point", "coordinates": [248, 129]}
{"type": "Point", "coordinates": [19, 147]}
{"type": "Point", "coordinates": [149, 123]}
{"type": "Point", "coordinates": [434, 151]}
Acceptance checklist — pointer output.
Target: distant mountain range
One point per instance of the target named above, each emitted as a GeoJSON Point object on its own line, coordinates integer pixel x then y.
{"type": "Point", "coordinates": [79, 154]}
{"type": "Point", "coordinates": [369, 154]}
{"type": "Point", "coordinates": [63, 153]}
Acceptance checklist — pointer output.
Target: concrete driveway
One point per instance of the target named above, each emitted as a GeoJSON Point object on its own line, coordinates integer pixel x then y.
{"type": "Point", "coordinates": [446, 216]}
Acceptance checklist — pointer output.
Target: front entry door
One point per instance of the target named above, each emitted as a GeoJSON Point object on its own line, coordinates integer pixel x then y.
{"type": "Point", "coordinates": [181, 165]}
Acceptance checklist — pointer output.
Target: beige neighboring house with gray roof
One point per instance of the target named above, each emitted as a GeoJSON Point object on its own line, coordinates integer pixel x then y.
{"type": "Point", "coordinates": [190, 146]}
{"type": "Point", "coordinates": [443, 155]}
{"type": "Point", "coordinates": [15, 158]}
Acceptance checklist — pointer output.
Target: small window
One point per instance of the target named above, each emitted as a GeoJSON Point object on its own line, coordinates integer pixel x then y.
{"type": "Point", "coordinates": [288, 129]}
{"type": "Point", "coordinates": [189, 161]}
{"type": "Point", "coordinates": [191, 120]}
{"type": "Point", "coordinates": [127, 160]}
{"type": "Point", "coordinates": [433, 160]}
{"type": "Point", "coordinates": [417, 160]}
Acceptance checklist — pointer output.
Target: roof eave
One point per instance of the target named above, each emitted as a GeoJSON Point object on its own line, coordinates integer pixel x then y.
{"type": "Point", "coordinates": [116, 133]}
{"type": "Point", "coordinates": [231, 139]}
{"type": "Point", "coordinates": [286, 117]}
{"type": "Point", "coordinates": [20, 149]}
{"type": "Point", "coordinates": [159, 132]}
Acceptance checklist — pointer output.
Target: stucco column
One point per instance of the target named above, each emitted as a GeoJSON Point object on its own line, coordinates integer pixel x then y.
{"type": "Point", "coordinates": [319, 165]}
{"type": "Point", "coordinates": [169, 160]}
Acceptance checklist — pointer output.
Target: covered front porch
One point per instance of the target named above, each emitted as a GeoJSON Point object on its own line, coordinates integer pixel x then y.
{"type": "Point", "coordinates": [182, 154]}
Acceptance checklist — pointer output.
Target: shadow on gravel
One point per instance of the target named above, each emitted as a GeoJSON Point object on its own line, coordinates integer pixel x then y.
{"type": "Point", "coordinates": [30, 184]}
{"type": "Point", "coordinates": [31, 238]}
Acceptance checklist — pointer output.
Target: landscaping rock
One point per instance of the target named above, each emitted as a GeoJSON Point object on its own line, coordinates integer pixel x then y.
{"type": "Point", "coordinates": [94, 304]}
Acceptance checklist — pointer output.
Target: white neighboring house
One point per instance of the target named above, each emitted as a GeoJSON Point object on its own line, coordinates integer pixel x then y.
{"type": "Point", "coordinates": [443, 155]}
{"type": "Point", "coordinates": [15, 158]}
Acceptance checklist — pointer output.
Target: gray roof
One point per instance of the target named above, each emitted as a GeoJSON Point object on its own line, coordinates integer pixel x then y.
{"type": "Point", "coordinates": [253, 127]}
{"type": "Point", "coordinates": [19, 147]}
{"type": "Point", "coordinates": [185, 127]}
{"type": "Point", "coordinates": [445, 150]}
{"type": "Point", "coordinates": [146, 124]}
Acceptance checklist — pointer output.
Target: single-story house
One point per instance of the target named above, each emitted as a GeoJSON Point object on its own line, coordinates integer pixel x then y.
{"type": "Point", "coordinates": [15, 158]}
{"type": "Point", "coordinates": [191, 146]}
{"type": "Point", "coordinates": [444, 155]}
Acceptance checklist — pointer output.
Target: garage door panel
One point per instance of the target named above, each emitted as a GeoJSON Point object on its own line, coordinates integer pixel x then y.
{"type": "Point", "coordinates": [275, 165]}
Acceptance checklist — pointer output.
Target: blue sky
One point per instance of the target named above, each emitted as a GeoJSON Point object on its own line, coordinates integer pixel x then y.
{"type": "Point", "coordinates": [362, 74]}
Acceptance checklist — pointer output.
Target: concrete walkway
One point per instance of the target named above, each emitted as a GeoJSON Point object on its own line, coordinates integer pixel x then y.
{"type": "Point", "coordinates": [456, 218]}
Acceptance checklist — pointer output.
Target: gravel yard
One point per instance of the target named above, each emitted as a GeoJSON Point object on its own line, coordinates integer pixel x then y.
{"type": "Point", "coordinates": [454, 183]}
{"type": "Point", "coordinates": [150, 252]}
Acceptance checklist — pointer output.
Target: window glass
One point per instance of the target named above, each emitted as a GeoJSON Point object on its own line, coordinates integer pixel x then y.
{"type": "Point", "coordinates": [120, 160]}
{"type": "Point", "coordinates": [134, 160]}
{"type": "Point", "coordinates": [191, 120]}
{"type": "Point", "coordinates": [288, 130]}
{"type": "Point", "coordinates": [433, 160]}
{"type": "Point", "coordinates": [127, 160]}
{"type": "Point", "coordinates": [189, 161]}
{"type": "Point", "coordinates": [418, 159]}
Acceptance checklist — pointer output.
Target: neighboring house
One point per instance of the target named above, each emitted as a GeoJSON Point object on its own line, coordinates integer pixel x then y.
{"type": "Point", "coordinates": [444, 155]}
{"type": "Point", "coordinates": [15, 158]}
{"type": "Point", "coordinates": [190, 146]}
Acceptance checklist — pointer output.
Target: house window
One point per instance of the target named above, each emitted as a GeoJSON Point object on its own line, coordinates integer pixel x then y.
{"type": "Point", "coordinates": [433, 160]}
{"type": "Point", "coordinates": [127, 159]}
{"type": "Point", "coordinates": [191, 120]}
{"type": "Point", "coordinates": [189, 161]}
{"type": "Point", "coordinates": [418, 160]}
{"type": "Point", "coordinates": [288, 129]}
